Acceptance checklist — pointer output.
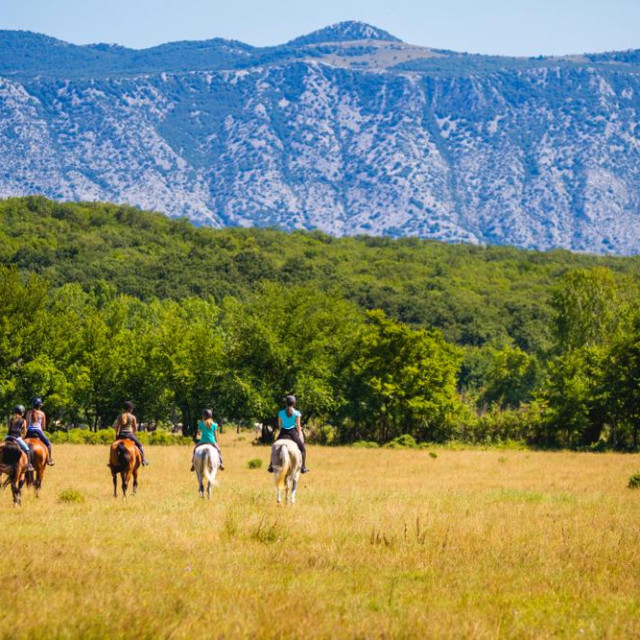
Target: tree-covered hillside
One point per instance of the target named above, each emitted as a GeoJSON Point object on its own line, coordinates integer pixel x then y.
{"type": "Point", "coordinates": [473, 294]}
{"type": "Point", "coordinates": [378, 337]}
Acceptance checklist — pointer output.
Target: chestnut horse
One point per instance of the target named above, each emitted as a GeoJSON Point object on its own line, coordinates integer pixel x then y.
{"type": "Point", "coordinates": [13, 462]}
{"type": "Point", "coordinates": [124, 459]}
{"type": "Point", "coordinates": [40, 457]}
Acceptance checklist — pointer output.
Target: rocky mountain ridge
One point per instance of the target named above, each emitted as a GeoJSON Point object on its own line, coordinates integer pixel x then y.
{"type": "Point", "coordinates": [348, 130]}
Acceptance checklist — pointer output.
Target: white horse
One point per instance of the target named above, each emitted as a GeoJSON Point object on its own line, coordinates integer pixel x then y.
{"type": "Point", "coordinates": [206, 461]}
{"type": "Point", "coordinates": [286, 460]}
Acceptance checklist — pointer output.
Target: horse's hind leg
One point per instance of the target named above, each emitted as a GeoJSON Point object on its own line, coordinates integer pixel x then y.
{"type": "Point", "coordinates": [125, 483]}
{"type": "Point", "coordinates": [209, 490]}
{"type": "Point", "coordinates": [294, 488]}
{"type": "Point", "coordinates": [114, 476]}
{"type": "Point", "coordinates": [38, 482]}
{"type": "Point", "coordinates": [16, 489]}
{"type": "Point", "coordinates": [135, 482]}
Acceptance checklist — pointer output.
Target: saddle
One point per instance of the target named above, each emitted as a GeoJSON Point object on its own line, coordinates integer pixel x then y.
{"type": "Point", "coordinates": [11, 442]}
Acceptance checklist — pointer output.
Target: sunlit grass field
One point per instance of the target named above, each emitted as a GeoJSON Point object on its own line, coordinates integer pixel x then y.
{"type": "Point", "coordinates": [381, 543]}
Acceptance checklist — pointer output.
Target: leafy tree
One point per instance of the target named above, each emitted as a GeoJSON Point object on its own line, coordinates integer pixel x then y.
{"type": "Point", "coordinates": [399, 380]}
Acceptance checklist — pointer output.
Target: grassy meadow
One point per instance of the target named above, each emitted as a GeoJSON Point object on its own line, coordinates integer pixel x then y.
{"type": "Point", "coordinates": [382, 543]}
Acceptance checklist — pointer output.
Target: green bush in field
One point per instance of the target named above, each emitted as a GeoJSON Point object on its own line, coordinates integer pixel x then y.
{"type": "Point", "coordinates": [433, 454]}
{"type": "Point", "coordinates": [255, 463]}
{"type": "Point", "coordinates": [326, 434]}
{"type": "Point", "coordinates": [365, 444]}
{"type": "Point", "coordinates": [70, 496]}
{"type": "Point", "coordinates": [402, 442]}
{"type": "Point", "coordinates": [166, 438]}
{"type": "Point", "coordinates": [104, 436]}
{"type": "Point", "coordinates": [107, 436]}
{"type": "Point", "coordinates": [634, 481]}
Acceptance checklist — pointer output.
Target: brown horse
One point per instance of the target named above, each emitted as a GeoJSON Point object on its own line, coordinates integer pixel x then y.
{"type": "Point", "coordinates": [124, 459]}
{"type": "Point", "coordinates": [40, 457]}
{"type": "Point", "coordinates": [13, 462]}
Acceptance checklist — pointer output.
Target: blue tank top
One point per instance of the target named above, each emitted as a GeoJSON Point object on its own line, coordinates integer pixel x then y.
{"type": "Point", "coordinates": [288, 422]}
{"type": "Point", "coordinates": [207, 433]}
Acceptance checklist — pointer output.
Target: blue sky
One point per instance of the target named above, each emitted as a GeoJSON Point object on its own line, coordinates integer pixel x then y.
{"type": "Point", "coordinates": [482, 26]}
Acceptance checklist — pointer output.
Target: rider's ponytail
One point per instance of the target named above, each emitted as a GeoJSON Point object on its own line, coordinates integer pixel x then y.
{"type": "Point", "coordinates": [291, 403]}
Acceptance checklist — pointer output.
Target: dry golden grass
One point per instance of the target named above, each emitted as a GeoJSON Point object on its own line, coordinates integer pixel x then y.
{"type": "Point", "coordinates": [476, 544]}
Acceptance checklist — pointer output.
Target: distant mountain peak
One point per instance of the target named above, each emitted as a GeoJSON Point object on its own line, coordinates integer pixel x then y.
{"type": "Point", "coordinates": [349, 30]}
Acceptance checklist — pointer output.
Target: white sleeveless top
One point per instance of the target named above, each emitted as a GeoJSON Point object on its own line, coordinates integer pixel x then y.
{"type": "Point", "coordinates": [37, 424]}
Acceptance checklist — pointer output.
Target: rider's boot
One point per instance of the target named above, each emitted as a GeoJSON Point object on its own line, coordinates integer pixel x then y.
{"type": "Point", "coordinates": [30, 459]}
{"type": "Point", "coordinates": [270, 468]}
{"type": "Point", "coordinates": [50, 461]}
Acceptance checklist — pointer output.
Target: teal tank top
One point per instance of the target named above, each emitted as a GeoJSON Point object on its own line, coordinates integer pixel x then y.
{"type": "Point", "coordinates": [288, 422]}
{"type": "Point", "coordinates": [208, 434]}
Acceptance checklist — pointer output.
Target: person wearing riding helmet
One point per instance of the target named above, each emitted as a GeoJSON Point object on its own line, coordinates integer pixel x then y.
{"type": "Point", "coordinates": [17, 429]}
{"type": "Point", "coordinates": [289, 423]}
{"type": "Point", "coordinates": [126, 427]}
{"type": "Point", "coordinates": [207, 429]}
{"type": "Point", "coordinates": [36, 424]}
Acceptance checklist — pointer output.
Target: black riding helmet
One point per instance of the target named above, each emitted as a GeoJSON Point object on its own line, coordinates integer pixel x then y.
{"type": "Point", "coordinates": [36, 403]}
{"type": "Point", "coordinates": [291, 401]}
{"type": "Point", "coordinates": [207, 413]}
{"type": "Point", "coordinates": [19, 409]}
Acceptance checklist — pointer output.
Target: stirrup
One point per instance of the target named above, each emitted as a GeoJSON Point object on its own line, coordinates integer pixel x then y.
{"type": "Point", "coordinates": [304, 470]}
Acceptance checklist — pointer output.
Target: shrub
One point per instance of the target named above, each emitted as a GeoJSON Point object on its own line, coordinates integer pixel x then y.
{"type": "Point", "coordinates": [634, 481]}
{"type": "Point", "coordinates": [70, 496]}
{"type": "Point", "coordinates": [365, 444]}
{"type": "Point", "coordinates": [433, 454]}
{"type": "Point", "coordinates": [255, 463]}
{"type": "Point", "coordinates": [107, 436]}
{"type": "Point", "coordinates": [326, 434]}
{"type": "Point", "coordinates": [104, 436]}
{"type": "Point", "coordinates": [404, 441]}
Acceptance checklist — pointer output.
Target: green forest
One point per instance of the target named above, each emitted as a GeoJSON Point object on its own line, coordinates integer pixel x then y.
{"type": "Point", "coordinates": [378, 338]}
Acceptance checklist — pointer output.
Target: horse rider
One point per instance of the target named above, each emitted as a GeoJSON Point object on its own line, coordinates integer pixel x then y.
{"type": "Point", "coordinates": [207, 429]}
{"type": "Point", "coordinates": [17, 429]}
{"type": "Point", "coordinates": [126, 427]}
{"type": "Point", "coordinates": [289, 423]}
{"type": "Point", "coordinates": [36, 424]}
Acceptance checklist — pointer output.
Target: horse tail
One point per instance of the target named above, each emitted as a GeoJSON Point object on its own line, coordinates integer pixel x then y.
{"type": "Point", "coordinates": [285, 463]}
{"type": "Point", "coordinates": [122, 454]}
{"type": "Point", "coordinates": [207, 464]}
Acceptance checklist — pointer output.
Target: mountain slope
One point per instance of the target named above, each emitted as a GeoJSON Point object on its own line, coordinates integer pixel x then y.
{"type": "Point", "coordinates": [335, 132]}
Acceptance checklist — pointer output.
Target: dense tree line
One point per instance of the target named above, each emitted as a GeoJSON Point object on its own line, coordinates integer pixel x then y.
{"type": "Point", "coordinates": [377, 337]}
